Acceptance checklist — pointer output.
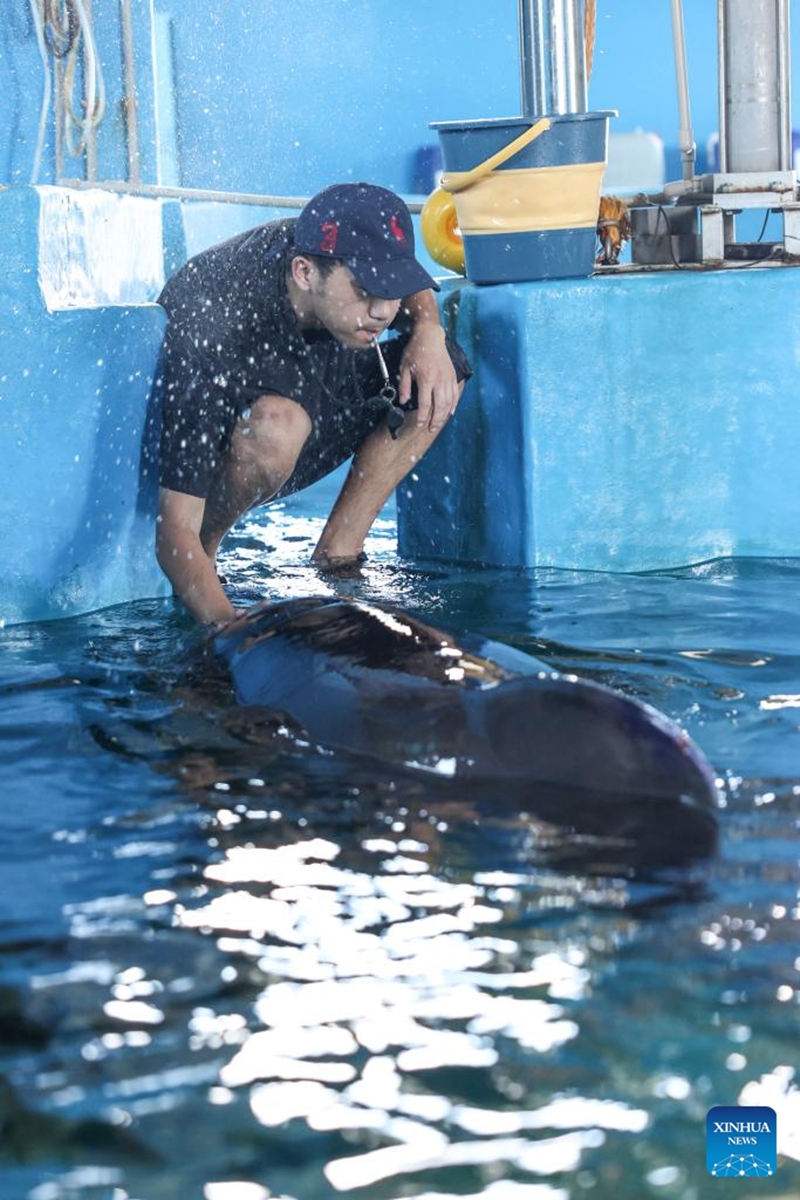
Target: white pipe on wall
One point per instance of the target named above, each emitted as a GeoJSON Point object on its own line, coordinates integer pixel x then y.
{"type": "Point", "coordinates": [686, 134]}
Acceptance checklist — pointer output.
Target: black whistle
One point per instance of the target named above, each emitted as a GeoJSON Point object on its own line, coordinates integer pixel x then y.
{"type": "Point", "coordinates": [394, 419]}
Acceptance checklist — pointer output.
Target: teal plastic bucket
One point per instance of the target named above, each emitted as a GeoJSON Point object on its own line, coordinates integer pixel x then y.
{"type": "Point", "coordinates": [535, 215]}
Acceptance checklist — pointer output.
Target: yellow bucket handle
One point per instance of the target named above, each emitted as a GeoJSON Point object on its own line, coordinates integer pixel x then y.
{"type": "Point", "coordinates": [467, 178]}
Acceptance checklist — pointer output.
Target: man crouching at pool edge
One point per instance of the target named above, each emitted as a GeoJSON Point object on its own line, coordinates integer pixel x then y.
{"type": "Point", "coordinates": [271, 376]}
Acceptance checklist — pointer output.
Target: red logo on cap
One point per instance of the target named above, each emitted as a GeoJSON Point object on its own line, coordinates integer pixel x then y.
{"type": "Point", "coordinates": [330, 236]}
{"type": "Point", "coordinates": [397, 230]}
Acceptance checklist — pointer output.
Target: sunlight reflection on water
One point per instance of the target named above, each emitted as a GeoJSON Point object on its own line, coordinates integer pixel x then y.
{"type": "Point", "coordinates": [399, 957]}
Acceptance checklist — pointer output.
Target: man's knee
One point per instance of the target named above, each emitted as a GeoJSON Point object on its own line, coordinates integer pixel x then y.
{"type": "Point", "coordinates": [275, 421]}
{"type": "Point", "coordinates": [270, 436]}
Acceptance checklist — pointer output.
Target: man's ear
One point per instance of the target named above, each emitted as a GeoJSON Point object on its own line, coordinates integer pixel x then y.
{"type": "Point", "coordinates": [303, 272]}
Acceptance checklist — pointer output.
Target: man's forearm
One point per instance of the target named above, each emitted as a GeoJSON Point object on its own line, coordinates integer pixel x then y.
{"type": "Point", "coordinates": [190, 571]}
{"type": "Point", "coordinates": [377, 468]}
{"type": "Point", "coordinates": [421, 307]}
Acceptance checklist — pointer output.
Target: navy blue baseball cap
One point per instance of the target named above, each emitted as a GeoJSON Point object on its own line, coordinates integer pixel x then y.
{"type": "Point", "coordinates": [369, 228]}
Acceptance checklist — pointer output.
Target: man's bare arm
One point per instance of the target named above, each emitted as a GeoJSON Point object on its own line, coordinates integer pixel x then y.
{"type": "Point", "coordinates": [426, 362]}
{"type": "Point", "coordinates": [183, 560]}
{"type": "Point", "coordinates": [377, 468]}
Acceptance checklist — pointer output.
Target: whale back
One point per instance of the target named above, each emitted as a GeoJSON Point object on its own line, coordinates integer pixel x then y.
{"type": "Point", "coordinates": [375, 681]}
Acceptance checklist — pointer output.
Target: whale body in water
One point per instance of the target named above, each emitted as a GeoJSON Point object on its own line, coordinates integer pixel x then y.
{"type": "Point", "coordinates": [371, 680]}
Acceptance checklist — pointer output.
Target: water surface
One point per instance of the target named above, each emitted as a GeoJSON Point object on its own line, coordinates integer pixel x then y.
{"type": "Point", "coordinates": [234, 967]}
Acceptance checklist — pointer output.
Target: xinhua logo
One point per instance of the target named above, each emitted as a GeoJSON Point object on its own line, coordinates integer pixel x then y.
{"type": "Point", "coordinates": [741, 1141]}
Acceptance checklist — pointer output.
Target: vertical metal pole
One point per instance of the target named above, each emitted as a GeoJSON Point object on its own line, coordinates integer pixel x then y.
{"type": "Point", "coordinates": [755, 85]}
{"type": "Point", "coordinates": [552, 57]}
{"type": "Point", "coordinates": [131, 103]}
{"type": "Point", "coordinates": [532, 58]}
{"type": "Point", "coordinates": [686, 136]}
{"type": "Point", "coordinates": [557, 55]}
{"type": "Point", "coordinates": [785, 87]}
{"type": "Point", "coordinates": [722, 54]}
{"type": "Point", "coordinates": [58, 114]}
{"type": "Point", "coordinates": [575, 56]}
{"type": "Point", "coordinates": [567, 57]}
{"type": "Point", "coordinates": [90, 101]}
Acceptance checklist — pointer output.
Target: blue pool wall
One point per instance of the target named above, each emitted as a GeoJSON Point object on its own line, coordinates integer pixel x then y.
{"type": "Point", "coordinates": [281, 99]}
{"type": "Point", "coordinates": [77, 502]}
{"type": "Point", "coordinates": [619, 423]}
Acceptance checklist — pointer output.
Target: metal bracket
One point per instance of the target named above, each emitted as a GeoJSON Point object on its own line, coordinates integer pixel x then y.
{"type": "Point", "coordinates": [791, 229]}
{"type": "Point", "coordinates": [717, 230]}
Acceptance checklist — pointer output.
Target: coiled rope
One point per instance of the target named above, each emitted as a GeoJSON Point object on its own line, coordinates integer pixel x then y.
{"type": "Point", "coordinates": [589, 32]}
{"type": "Point", "coordinates": [64, 33]}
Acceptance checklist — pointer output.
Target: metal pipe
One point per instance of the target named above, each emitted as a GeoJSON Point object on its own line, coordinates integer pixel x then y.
{"type": "Point", "coordinates": [722, 51]}
{"type": "Point", "coordinates": [785, 87]}
{"type": "Point", "coordinates": [532, 58]}
{"type": "Point", "coordinates": [160, 192]}
{"type": "Point", "coordinates": [686, 135]}
{"type": "Point", "coordinates": [179, 193]}
{"type": "Point", "coordinates": [567, 57]}
{"type": "Point", "coordinates": [557, 60]}
{"type": "Point", "coordinates": [755, 84]}
{"type": "Point", "coordinates": [575, 57]}
{"type": "Point", "coordinates": [552, 57]}
{"type": "Point", "coordinates": [59, 107]}
{"type": "Point", "coordinates": [130, 101]}
{"type": "Point", "coordinates": [90, 94]}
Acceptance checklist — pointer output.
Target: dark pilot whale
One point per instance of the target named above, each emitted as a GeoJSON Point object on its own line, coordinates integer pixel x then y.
{"type": "Point", "coordinates": [374, 681]}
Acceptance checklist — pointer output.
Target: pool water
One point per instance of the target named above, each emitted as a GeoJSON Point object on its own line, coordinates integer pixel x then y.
{"type": "Point", "coordinates": [236, 967]}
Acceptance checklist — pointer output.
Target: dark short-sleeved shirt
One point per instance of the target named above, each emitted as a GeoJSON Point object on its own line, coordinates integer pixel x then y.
{"type": "Point", "coordinates": [232, 336]}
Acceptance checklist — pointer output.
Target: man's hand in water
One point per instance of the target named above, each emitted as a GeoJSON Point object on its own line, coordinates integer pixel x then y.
{"type": "Point", "coordinates": [342, 566]}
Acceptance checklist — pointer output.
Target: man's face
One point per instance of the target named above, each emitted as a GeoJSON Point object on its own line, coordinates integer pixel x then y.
{"type": "Point", "coordinates": [340, 305]}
